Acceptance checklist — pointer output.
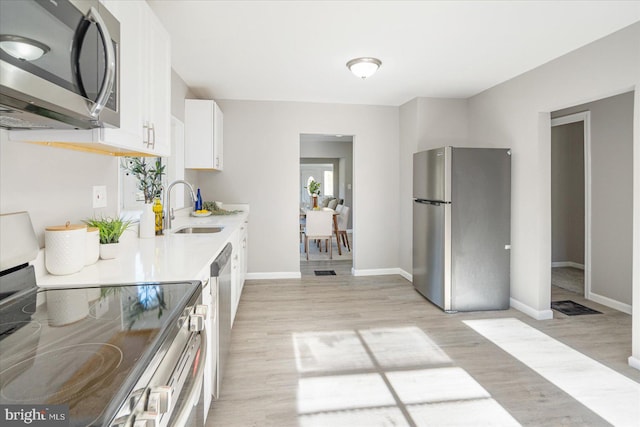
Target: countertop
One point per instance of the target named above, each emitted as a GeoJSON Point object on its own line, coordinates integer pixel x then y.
{"type": "Point", "coordinates": [171, 257]}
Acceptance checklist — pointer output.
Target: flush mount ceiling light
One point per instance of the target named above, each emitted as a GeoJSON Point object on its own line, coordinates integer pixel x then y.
{"type": "Point", "coordinates": [22, 48]}
{"type": "Point", "coordinates": [364, 67]}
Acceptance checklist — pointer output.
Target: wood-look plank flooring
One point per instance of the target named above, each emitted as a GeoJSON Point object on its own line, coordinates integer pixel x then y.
{"type": "Point", "coordinates": [288, 336]}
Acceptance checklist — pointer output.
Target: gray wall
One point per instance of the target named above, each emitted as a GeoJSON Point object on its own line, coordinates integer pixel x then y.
{"type": "Point", "coordinates": [425, 123]}
{"type": "Point", "coordinates": [261, 158]}
{"type": "Point", "coordinates": [517, 114]}
{"type": "Point", "coordinates": [611, 194]}
{"type": "Point", "coordinates": [54, 185]}
{"type": "Point", "coordinates": [567, 193]}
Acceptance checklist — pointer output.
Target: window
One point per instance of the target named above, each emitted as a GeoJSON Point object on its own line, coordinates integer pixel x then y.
{"type": "Point", "coordinates": [328, 183]}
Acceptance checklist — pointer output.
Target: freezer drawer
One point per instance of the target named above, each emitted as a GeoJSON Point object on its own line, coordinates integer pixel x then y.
{"type": "Point", "coordinates": [429, 251]}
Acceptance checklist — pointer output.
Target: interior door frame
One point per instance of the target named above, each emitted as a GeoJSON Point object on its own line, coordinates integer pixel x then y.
{"type": "Point", "coordinates": [585, 118]}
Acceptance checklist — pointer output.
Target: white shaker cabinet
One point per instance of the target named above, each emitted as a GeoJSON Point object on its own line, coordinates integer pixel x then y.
{"type": "Point", "coordinates": [238, 266]}
{"type": "Point", "coordinates": [145, 91]}
{"type": "Point", "coordinates": [202, 134]}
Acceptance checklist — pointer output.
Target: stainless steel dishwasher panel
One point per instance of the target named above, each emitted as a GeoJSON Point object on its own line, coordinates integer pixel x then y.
{"type": "Point", "coordinates": [221, 278]}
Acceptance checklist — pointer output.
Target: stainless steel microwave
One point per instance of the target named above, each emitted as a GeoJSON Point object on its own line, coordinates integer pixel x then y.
{"type": "Point", "coordinates": [59, 65]}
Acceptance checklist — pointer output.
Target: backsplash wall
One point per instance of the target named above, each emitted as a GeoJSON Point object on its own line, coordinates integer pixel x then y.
{"type": "Point", "coordinates": [54, 185]}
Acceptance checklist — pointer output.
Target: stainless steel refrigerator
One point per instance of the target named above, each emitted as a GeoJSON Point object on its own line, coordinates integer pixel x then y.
{"type": "Point", "coordinates": [462, 227]}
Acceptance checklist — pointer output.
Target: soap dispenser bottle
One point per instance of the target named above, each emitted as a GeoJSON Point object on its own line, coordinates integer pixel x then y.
{"type": "Point", "coordinates": [198, 201]}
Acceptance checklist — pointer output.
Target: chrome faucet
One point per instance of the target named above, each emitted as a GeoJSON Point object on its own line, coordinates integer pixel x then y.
{"type": "Point", "coordinates": [169, 216]}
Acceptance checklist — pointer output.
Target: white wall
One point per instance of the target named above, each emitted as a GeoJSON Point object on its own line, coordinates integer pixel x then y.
{"type": "Point", "coordinates": [516, 114]}
{"type": "Point", "coordinates": [261, 149]}
{"type": "Point", "coordinates": [54, 185]}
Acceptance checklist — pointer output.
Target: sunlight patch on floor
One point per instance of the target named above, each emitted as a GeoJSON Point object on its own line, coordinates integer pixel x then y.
{"type": "Point", "coordinates": [338, 392]}
{"type": "Point", "coordinates": [403, 347]}
{"type": "Point", "coordinates": [609, 394]}
{"type": "Point", "coordinates": [330, 352]}
{"type": "Point", "coordinates": [386, 377]}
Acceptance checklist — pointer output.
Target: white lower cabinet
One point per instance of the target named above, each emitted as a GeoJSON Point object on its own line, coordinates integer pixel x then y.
{"type": "Point", "coordinates": [238, 266]}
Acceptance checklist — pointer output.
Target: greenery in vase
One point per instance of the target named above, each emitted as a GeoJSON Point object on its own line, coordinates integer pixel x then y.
{"type": "Point", "coordinates": [149, 176]}
{"type": "Point", "coordinates": [314, 188]}
{"type": "Point", "coordinates": [110, 228]}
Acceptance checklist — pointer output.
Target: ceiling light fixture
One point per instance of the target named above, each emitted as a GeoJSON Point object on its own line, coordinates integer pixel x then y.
{"type": "Point", "coordinates": [22, 48]}
{"type": "Point", "coordinates": [364, 67]}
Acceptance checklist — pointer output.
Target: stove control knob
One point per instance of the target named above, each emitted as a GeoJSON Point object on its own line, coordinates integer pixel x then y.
{"type": "Point", "coordinates": [201, 309]}
{"type": "Point", "coordinates": [196, 322]}
{"type": "Point", "coordinates": [159, 400]}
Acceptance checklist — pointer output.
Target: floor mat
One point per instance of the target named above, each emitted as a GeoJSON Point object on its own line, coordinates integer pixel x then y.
{"type": "Point", "coordinates": [571, 308]}
{"type": "Point", "coordinates": [324, 272]}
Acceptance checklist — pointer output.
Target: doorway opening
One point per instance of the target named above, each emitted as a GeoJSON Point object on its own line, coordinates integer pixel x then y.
{"type": "Point", "coordinates": [570, 203]}
{"type": "Point", "coordinates": [327, 160]}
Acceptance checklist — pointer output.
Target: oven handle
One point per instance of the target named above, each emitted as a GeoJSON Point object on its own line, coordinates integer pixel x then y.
{"type": "Point", "coordinates": [109, 78]}
{"type": "Point", "coordinates": [194, 393]}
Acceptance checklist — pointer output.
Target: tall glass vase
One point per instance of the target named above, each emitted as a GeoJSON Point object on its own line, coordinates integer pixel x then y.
{"type": "Point", "coordinates": [315, 201]}
{"type": "Point", "coordinates": [147, 222]}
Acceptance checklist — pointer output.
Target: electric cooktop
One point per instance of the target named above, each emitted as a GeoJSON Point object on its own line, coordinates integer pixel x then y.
{"type": "Point", "coordinates": [84, 348]}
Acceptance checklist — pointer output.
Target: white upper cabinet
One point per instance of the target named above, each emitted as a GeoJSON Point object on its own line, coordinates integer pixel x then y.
{"type": "Point", "coordinates": [145, 91]}
{"type": "Point", "coordinates": [202, 134]}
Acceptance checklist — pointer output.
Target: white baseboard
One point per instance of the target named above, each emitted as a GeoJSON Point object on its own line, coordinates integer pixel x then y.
{"type": "Point", "coordinates": [380, 272]}
{"type": "Point", "coordinates": [530, 311]}
{"type": "Point", "coordinates": [274, 275]}
{"type": "Point", "coordinates": [611, 303]}
{"type": "Point", "coordinates": [406, 275]}
{"type": "Point", "coordinates": [567, 264]}
{"type": "Point", "coordinates": [634, 362]}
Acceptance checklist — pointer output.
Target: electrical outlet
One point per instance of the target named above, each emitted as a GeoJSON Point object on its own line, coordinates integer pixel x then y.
{"type": "Point", "coordinates": [99, 196]}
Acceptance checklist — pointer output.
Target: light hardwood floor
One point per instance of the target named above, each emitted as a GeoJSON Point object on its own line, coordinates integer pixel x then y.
{"type": "Point", "coordinates": [295, 343]}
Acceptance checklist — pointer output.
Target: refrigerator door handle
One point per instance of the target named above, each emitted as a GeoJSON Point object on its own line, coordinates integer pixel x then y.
{"type": "Point", "coordinates": [428, 202]}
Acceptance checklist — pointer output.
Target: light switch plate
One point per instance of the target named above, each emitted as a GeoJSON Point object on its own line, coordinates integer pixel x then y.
{"type": "Point", "coordinates": [99, 196]}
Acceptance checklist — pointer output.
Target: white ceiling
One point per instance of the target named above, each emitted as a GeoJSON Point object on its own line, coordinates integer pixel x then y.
{"type": "Point", "coordinates": [297, 50]}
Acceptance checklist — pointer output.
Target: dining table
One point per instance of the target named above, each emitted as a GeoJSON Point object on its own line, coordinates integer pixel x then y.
{"type": "Point", "coordinates": [303, 214]}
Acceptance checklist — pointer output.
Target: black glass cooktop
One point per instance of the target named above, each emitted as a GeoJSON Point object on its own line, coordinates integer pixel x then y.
{"type": "Point", "coordinates": [85, 347]}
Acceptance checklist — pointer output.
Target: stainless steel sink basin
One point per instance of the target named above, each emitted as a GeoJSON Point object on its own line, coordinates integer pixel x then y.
{"type": "Point", "coordinates": [198, 230]}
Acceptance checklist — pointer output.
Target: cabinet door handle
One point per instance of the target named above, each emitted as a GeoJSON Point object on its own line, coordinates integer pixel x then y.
{"type": "Point", "coordinates": [145, 133]}
{"type": "Point", "coordinates": [152, 137]}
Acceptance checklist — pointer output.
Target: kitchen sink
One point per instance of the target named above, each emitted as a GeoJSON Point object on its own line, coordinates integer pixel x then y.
{"type": "Point", "coordinates": [198, 230]}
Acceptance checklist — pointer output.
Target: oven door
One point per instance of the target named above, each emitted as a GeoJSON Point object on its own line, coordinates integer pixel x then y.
{"type": "Point", "coordinates": [189, 407]}
{"type": "Point", "coordinates": [74, 79]}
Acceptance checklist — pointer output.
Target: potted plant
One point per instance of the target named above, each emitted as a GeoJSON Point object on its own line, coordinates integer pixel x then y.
{"type": "Point", "coordinates": [314, 191]}
{"type": "Point", "coordinates": [110, 230]}
{"type": "Point", "coordinates": [149, 176]}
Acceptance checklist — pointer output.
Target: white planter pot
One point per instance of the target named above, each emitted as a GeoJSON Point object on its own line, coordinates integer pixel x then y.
{"type": "Point", "coordinates": [109, 250]}
{"type": "Point", "coordinates": [147, 222]}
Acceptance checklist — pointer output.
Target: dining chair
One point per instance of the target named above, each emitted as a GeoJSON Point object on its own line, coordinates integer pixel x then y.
{"type": "Point", "coordinates": [343, 221]}
{"type": "Point", "coordinates": [339, 208]}
{"type": "Point", "coordinates": [319, 225]}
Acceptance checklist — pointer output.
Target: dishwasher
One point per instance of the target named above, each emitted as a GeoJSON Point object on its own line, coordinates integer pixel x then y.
{"type": "Point", "coordinates": [221, 285]}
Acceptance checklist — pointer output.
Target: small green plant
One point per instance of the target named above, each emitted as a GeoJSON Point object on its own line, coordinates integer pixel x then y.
{"type": "Point", "coordinates": [314, 188]}
{"type": "Point", "coordinates": [149, 176]}
{"type": "Point", "coordinates": [110, 228]}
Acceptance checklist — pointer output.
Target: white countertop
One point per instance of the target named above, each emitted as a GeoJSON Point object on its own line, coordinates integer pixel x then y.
{"type": "Point", "coordinates": [171, 257]}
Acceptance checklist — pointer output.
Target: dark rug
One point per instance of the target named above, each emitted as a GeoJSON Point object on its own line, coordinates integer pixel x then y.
{"type": "Point", "coordinates": [324, 272]}
{"type": "Point", "coordinates": [571, 308]}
